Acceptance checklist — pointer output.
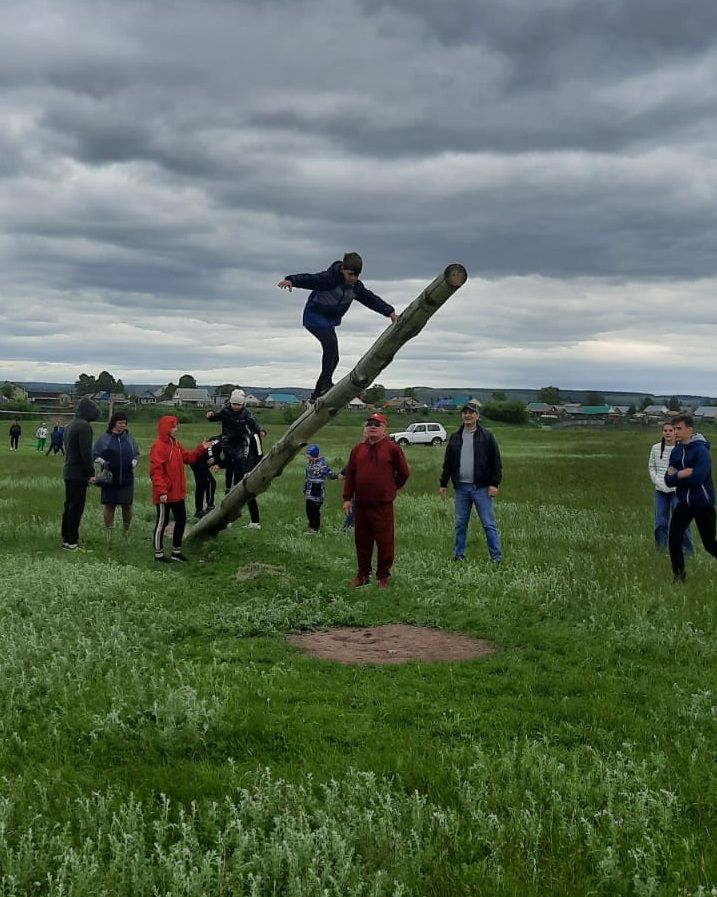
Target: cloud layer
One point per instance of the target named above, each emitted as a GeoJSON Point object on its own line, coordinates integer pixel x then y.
{"type": "Point", "coordinates": [164, 165]}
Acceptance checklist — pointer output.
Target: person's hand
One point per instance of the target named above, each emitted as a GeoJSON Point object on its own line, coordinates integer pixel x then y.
{"type": "Point", "coordinates": [492, 491]}
{"type": "Point", "coordinates": [394, 317]}
{"type": "Point", "coordinates": [262, 432]}
{"type": "Point", "coordinates": [341, 476]}
{"type": "Point", "coordinates": [347, 507]}
{"type": "Point", "coordinates": [207, 444]}
{"type": "Point", "coordinates": [442, 491]}
{"type": "Point", "coordinates": [163, 499]}
{"type": "Point", "coordinates": [671, 471]}
{"type": "Point", "coordinates": [285, 285]}
{"type": "Point", "coordinates": [214, 468]}
{"type": "Point", "coordinates": [686, 472]}
{"type": "Point", "coordinates": [135, 462]}
{"type": "Point", "coordinates": [209, 414]}
{"type": "Point", "coordinates": [91, 481]}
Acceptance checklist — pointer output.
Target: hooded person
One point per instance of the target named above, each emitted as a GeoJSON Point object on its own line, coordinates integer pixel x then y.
{"type": "Point", "coordinates": [690, 472]}
{"type": "Point", "coordinates": [167, 457]}
{"type": "Point", "coordinates": [77, 471]}
{"type": "Point", "coordinates": [241, 444]}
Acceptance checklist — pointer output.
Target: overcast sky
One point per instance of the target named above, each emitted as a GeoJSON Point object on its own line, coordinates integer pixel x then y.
{"type": "Point", "coordinates": [164, 164]}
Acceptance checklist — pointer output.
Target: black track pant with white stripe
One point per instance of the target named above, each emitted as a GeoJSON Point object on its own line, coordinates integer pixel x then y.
{"type": "Point", "coordinates": [179, 512]}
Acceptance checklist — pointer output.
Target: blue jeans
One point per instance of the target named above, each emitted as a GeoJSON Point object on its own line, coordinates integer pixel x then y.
{"type": "Point", "coordinates": [665, 503]}
{"type": "Point", "coordinates": [468, 495]}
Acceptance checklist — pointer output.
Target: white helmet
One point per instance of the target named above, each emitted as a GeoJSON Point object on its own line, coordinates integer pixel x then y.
{"type": "Point", "coordinates": [237, 397]}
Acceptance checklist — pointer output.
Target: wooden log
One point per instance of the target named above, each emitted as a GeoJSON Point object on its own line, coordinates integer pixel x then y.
{"type": "Point", "coordinates": [379, 356]}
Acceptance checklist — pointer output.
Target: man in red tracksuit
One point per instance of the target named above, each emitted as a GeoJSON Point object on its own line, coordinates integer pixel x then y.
{"type": "Point", "coordinates": [376, 470]}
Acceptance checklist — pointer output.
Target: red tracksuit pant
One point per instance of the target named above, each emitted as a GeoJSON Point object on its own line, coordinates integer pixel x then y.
{"type": "Point", "coordinates": [374, 523]}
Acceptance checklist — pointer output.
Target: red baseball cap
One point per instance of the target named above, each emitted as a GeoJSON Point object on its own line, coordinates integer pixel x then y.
{"type": "Point", "coordinates": [376, 416]}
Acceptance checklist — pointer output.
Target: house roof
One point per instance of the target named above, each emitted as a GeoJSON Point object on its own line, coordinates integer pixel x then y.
{"type": "Point", "coordinates": [286, 398]}
{"type": "Point", "coordinates": [655, 409]}
{"type": "Point", "coordinates": [707, 411]}
{"type": "Point", "coordinates": [357, 402]}
{"type": "Point", "coordinates": [191, 395]}
{"type": "Point", "coordinates": [594, 409]}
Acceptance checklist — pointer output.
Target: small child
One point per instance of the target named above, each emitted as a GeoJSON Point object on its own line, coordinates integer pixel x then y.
{"type": "Point", "coordinates": [317, 471]}
{"type": "Point", "coordinates": [205, 486]}
{"type": "Point", "coordinates": [167, 458]}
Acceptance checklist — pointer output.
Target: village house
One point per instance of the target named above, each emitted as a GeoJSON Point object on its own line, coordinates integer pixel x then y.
{"type": "Point", "coordinates": [184, 397]}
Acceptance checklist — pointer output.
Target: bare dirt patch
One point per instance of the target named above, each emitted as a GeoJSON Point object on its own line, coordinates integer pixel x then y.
{"type": "Point", "coordinates": [392, 643]}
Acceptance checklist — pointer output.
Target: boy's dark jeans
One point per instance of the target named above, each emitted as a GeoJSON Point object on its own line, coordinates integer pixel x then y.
{"type": "Point", "coordinates": [682, 516]}
{"type": "Point", "coordinates": [313, 515]}
{"type": "Point", "coordinates": [329, 358]}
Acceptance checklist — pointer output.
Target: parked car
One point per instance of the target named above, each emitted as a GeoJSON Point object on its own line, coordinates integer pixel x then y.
{"type": "Point", "coordinates": [420, 434]}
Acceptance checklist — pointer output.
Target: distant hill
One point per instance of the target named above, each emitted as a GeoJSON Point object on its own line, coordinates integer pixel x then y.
{"type": "Point", "coordinates": [424, 394]}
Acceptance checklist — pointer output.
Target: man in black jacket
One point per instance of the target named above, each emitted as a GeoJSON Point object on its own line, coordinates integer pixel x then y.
{"type": "Point", "coordinates": [78, 470]}
{"type": "Point", "coordinates": [472, 463]}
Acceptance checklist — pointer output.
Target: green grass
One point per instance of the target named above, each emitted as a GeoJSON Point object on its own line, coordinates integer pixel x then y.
{"type": "Point", "coordinates": [158, 735]}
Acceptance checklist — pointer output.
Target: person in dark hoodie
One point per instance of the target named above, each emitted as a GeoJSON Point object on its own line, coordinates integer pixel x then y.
{"type": "Point", "coordinates": [690, 471]}
{"type": "Point", "coordinates": [15, 434]}
{"type": "Point", "coordinates": [167, 458]}
{"type": "Point", "coordinates": [77, 471]}
{"type": "Point", "coordinates": [332, 292]}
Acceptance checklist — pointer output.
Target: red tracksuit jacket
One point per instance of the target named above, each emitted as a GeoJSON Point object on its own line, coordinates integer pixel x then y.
{"type": "Point", "coordinates": [375, 473]}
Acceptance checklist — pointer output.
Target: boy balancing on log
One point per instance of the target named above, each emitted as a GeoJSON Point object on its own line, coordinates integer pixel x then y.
{"type": "Point", "coordinates": [332, 292]}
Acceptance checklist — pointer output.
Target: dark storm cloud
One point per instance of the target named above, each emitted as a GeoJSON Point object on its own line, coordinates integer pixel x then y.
{"type": "Point", "coordinates": [170, 162]}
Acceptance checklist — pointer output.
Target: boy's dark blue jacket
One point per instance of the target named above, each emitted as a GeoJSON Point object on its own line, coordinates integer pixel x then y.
{"type": "Point", "coordinates": [331, 296]}
{"type": "Point", "coordinates": [696, 490]}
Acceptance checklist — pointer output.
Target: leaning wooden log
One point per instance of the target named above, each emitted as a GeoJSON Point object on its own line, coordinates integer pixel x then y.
{"type": "Point", "coordinates": [379, 356]}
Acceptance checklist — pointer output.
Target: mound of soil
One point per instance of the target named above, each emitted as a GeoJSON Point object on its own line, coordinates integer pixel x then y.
{"type": "Point", "coordinates": [393, 643]}
{"type": "Point", "coordinates": [256, 569]}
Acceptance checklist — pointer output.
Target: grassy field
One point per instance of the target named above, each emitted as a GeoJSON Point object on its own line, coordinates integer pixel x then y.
{"type": "Point", "coordinates": [159, 736]}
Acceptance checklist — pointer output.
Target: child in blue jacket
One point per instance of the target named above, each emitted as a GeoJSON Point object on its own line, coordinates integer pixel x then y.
{"type": "Point", "coordinates": [332, 292]}
{"type": "Point", "coordinates": [317, 472]}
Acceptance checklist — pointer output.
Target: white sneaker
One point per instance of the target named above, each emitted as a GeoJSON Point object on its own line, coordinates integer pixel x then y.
{"type": "Point", "coordinates": [253, 526]}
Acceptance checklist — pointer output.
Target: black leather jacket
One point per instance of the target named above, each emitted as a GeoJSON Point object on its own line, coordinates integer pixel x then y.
{"type": "Point", "coordinates": [487, 465]}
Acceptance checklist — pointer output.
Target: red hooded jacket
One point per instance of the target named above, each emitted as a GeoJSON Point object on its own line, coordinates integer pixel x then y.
{"type": "Point", "coordinates": [167, 458]}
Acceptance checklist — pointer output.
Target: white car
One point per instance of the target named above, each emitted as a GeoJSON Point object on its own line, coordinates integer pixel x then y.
{"type": "Point", "coordinates": [420, 434]}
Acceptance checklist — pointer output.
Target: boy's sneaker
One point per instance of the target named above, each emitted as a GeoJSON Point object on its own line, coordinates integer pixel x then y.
{"type": "Point", "coordinates": [382, 583]}
{"type": "Point", "coordinates": [161, 559]}
{"type": "Point", "coordinates": [210, 507]}
{"type": "Point", "coordinates": [253, 526]}
{"type": "Point", "coordinates": [358, 581]}
{"type": "Point", "coordinates": [312, 532]}
{"type": "Point", "coordinates": [459, 557]}
{"type": "Point", "coordinates": [199, 514]}
{"type": "Point", "coordinates": [680, 577]}
{"type": "Point", "coordinates": [178, 556]}
{"type": "Point", "coordinates": [70, 546]}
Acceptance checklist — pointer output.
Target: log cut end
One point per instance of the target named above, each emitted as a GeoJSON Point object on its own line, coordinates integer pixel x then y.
{"type": "Point", "coordinates": [455, 275]}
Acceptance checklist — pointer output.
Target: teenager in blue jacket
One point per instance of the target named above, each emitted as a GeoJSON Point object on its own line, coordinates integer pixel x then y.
{"type": "Point", "coordinates": [690, 471]}
{"type": "Point", "coordinates": [332, 292]}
